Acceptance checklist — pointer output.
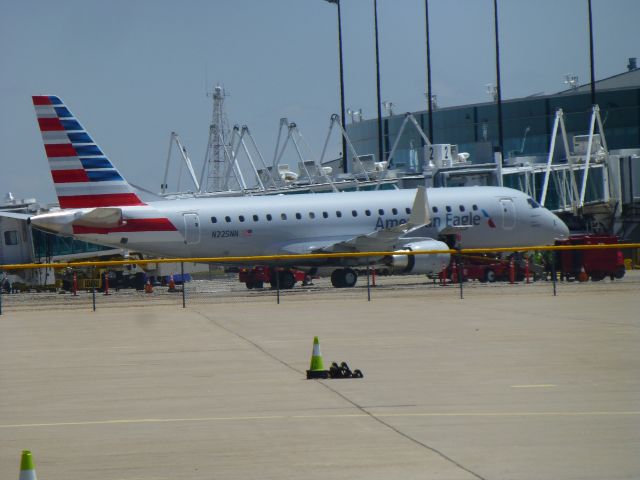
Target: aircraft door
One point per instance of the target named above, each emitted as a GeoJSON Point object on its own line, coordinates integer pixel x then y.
{"type": "Point", "coordinates": [508, 213]}
{"type": "Point", "coordinates": [191, 228]}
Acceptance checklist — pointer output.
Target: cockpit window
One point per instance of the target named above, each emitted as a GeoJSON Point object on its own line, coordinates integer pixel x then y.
{"type": "Point", "coordinates": [533, 203]}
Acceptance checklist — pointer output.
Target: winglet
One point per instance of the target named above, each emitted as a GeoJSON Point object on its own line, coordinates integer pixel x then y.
{"type": "Point", "coordinates": [420, 209]}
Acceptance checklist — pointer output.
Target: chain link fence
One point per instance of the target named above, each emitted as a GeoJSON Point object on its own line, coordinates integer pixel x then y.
{"type": "Point", "coordinates": [95, 285]}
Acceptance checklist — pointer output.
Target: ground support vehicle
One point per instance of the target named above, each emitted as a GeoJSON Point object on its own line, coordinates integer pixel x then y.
{"type": "Point", "coordinates": [256, 277]}
{"type": "Point", "coordinates": [489, 268]}
{"type": "Point", "coordinates": [594, 264]}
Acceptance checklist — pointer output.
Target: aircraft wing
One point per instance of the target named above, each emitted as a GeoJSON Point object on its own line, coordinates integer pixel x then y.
{"type": "Point", "coordinates": [378, 240]}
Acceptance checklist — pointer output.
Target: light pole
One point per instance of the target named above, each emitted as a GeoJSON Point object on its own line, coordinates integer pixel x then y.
{"type": "Point", "coordinates": [379, 102]}
{"type": "Point", "coordinates": [498, 84]}
{"type": "Point", "coordinates": [593, 76]}
{"type": "Point", "coordinates": [342, 112]}
{"type": "Point", "coordinates": [429, 93]}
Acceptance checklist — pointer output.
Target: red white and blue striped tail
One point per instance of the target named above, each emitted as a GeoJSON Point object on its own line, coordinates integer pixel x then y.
{"type": "Point", "coordinates": [83, 176]}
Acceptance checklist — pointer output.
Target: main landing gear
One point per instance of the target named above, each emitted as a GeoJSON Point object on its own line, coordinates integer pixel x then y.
{"type": "Point", "coordinates": [344, 278]}
{"type": "Point", "coordinates": [286, 280]}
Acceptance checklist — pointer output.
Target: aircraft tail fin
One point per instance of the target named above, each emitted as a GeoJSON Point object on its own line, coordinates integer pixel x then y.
{"type": "Point", "coordinates": [83, 176]}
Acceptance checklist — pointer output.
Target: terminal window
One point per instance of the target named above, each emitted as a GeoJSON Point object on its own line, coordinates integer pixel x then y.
{"type": "Point", "coordinates": [11, 237]}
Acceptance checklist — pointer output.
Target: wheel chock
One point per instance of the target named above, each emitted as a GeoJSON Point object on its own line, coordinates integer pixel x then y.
{"type": "Point", "coordinates": [346, 371]}
{"type": "Point", "coordinates": [343, 371]}
{"type": "Point", "coordinates": [335, 371]}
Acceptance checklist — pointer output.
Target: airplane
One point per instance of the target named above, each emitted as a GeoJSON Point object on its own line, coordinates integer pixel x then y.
{"type": "Point", "coordinates": [98, 205]}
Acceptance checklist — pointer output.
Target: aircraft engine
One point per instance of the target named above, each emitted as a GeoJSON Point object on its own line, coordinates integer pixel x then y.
{"type": "Point", "coordinates": [404, 264]}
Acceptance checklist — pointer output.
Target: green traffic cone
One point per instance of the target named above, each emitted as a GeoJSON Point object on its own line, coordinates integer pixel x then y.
{"type": "Point", "coordinates": [316, 370]}
{"type": "Point", "coordinates": [27, 467]}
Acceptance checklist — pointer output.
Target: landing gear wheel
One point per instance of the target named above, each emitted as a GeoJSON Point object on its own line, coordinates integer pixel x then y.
{"type": "Point", "coordinates": [490, 276]}
{"type": "Point", "coordinates": [337, 278]}
{"type": "Point", "coordinates": [249, 284]}
{"type": "Point", "coordinates": [350, 277]}
{"type": "Point", "coordinates": [344, 278]}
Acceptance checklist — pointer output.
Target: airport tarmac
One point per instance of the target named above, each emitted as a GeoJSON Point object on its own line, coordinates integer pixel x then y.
{"type": "Point", "coordinates": [509, 383]}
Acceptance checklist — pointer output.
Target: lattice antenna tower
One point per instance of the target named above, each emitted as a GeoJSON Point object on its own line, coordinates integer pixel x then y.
{"type": "Point", "coordinates": [219, 134]}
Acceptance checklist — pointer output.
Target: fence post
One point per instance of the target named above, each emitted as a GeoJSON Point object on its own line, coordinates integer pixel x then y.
{"type": "Point", "coordinates": [277, 285]}
{"type": "Point", "coordinates": [368, 282]}
{"type": "Point", "coordinates": [553, 271]}
{"type": "Point", "coordinates": [184, 286]}
{"type": "Point", "coordinates": [1, 289]}
{"type": "Point", "coordinates": [460, 274]}
{"type": "Point", "coordinates": [93, 287]}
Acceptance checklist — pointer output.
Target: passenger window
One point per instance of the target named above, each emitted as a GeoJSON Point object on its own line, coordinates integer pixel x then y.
{"type": "Point", "coordinates": [408, 210]}
{"type": "Point", "coordinates": [380, 211]}
{"type": "Point", "coordinates": [367, 213]}
{"type": "Point", "coordinates": [475, 207]}
{"type": "Point", "coordinates": [338, 213]}
{"type": "Point", "coordinates": [448, 208]}
{"type": "Point", "coordinates": [434, 209]}
{"type": "Point", "coordinates": [325, 215]}
{"type": "Point", "coordinates": [227, 219]}
{"type": "Point", "coordinates": [241, 218]}
{"type": "Point", "coordinates": [269, 217]}
{"type": "Point", "coordinates": [298, 216]}
{"type": "Point", "coordinates": [255, 218]}
{"type": "Point", "coordinates": [214, 220]}
{"type": "Point", "coordinates": [283, 216]}
{"type": "Point", "coordinates": [354, 213]}
{"type": "Point", "coordinates": [312, 215]}
{"type": "Point", "coordinates": [394, 211]}
{"type": "Point", "coordinates": [461, 207]}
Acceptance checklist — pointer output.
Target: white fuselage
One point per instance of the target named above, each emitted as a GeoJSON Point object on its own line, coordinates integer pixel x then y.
{"type": "Point", "coordinates": [267, 225]}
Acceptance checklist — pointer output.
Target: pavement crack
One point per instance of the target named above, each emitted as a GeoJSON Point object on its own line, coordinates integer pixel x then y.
{"type": "Point", "coordinates": [347, 399]}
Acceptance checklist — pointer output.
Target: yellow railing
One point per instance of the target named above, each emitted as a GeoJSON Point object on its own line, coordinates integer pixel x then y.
{"type": "Point", "coordinates": [261, 259]}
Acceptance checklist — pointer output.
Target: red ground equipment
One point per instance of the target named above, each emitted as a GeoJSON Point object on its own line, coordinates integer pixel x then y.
{"type": "Point", "coordinates": [491, 269]}
{"type": "Point", "coordinates": [596, 264]}
{"type": "Point", "coordinates": [257, 276]}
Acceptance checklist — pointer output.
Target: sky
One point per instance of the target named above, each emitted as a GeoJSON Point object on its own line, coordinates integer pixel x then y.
{"type": "Point", "coordinates": [132, 71]}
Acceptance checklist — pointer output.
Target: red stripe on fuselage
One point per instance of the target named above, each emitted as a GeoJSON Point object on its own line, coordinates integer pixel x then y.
{"type": "Point", "coordinates": [41, 100]}
{"type": "Point", "coordinates": [69, 176]}
{"type": "Point", "coordinates": [131, 225]}
{"type": "Point", "coordinates": [50, 124]}
{"type": "Point", "coordinates": [60, 150]}
{"type": "Point", "coordinates": [105, 200]}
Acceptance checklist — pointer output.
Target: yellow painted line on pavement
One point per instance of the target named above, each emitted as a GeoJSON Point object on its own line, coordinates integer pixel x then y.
{"type": "Point", "coordinates": [326, 416]}
{"type": "Point", "coordinates": [549, 385]}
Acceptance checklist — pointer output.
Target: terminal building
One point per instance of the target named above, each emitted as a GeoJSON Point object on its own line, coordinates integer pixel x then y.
{"type": "Point", "coordinates": [608, 199]}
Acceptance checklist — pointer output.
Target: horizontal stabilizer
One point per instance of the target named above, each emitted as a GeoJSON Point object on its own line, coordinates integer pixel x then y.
{"type": "Point", "coordinates": [108, 217]}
